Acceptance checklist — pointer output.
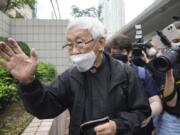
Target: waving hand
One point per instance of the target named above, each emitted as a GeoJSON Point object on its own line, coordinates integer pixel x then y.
{"type": "Point", "coordinates": [21, 66]}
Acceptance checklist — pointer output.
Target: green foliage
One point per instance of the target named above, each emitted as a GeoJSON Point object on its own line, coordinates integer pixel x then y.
{"type": "Point", "coordinates": [8, 94]}
{"type": "Point", "coordinates": [3, 38]}
{"type": "Point", "coordinates": [46, 72]}
{"type": "Point", "coordinates": [11, 4]}
{"type": "Point", "coordinates": [8, 91]}
{"type": "Point", "coordinates": [6, 77]}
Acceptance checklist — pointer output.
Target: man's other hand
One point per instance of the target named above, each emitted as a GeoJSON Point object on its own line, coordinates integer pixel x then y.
{"type": "Point", "coordinates": [108, 128]}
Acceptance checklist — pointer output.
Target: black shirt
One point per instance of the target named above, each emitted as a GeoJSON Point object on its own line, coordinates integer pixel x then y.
{"type": "Point", "coordinates": [96, 92]}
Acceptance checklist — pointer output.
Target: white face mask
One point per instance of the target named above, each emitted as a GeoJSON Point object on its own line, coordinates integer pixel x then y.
{"type": "Point", "coordinates": [84, 61]}
{"type": "Point", "coordinates": [152, 52]}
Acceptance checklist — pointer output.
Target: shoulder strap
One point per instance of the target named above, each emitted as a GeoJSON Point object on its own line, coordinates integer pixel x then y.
{"type": "Point", "coordinates": [141, 73]}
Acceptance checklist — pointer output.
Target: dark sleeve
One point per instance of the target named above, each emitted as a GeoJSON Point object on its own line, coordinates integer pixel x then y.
{"type": "Point", "coordinates": [45, 101]}
{"type": "Point", "coordinates": [150, 85]}
{"type": "Point", "coordinates": [138, 106]}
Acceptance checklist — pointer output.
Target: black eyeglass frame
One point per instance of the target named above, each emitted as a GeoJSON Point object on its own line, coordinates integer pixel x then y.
{"type": "Point", "coordinates": [85, 43]}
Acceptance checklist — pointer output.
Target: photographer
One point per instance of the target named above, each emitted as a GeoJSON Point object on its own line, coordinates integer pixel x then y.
{"type": "Point", "coordinates": [120, 47]}
{"type": "Point", "coordinates": [152, 53]}
{"type": "Point", "coordinates": [168, 122]}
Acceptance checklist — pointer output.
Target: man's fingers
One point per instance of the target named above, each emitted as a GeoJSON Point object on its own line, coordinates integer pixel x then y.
{"type": "Point", "coordinates": [34, 55]}
{"type": "Point", "coordinates": [108, 128]}
{"type": "Point", "coordinates": [14, 45]}
{"type": "Point", "coordinates": [6, 49]}
{"type": "Point", "coordinates": [101, 128]}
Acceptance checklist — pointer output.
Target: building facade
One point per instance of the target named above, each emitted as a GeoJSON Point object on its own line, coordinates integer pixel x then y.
{"type": "Point", "coordinates": [113, 15]}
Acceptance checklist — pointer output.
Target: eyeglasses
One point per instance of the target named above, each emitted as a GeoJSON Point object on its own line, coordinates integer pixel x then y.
{"type": "Point", "coordinates": [78, 44]}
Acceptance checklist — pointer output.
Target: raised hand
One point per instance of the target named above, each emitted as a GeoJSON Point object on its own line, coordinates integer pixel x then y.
{"type": "Point", "coordinates": [17, 62]}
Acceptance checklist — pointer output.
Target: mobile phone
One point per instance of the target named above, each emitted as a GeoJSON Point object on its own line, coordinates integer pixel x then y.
{"type": "Point", "coordinates": [93, 123]}
{"type": "Point", "coordinates": [171, 31]}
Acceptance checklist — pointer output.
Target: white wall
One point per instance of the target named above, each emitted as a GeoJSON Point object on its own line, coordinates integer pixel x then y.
{"type": "Point", "coordinates": [46, 36]}
{"type": "Point", "coordinates": [4, 25]}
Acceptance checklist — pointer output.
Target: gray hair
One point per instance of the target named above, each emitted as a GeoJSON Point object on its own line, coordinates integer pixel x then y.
{"type": "Point", "coordinates": [93, 25]}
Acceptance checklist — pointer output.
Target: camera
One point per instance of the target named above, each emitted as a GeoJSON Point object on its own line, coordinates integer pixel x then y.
{"type": "Point", "coordinates": [171, 55]}
{"type": "Point", "coordinates": [138, 47]}
{"type": "Point", "coordinates": [168, 59]}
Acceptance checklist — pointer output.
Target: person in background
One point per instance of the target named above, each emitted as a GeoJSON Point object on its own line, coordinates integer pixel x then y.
{"type": "Point", "coordinates": [120, 47]}
{"type": "Point", "coordinates": [168, 122]}
{"type": "Point", "coordinates": [152, 53]}
{"type": "Point", "coordinates": [97, 86]}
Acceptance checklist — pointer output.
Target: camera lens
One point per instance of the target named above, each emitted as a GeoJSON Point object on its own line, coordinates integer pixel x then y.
{"type": "Point", "coordinates": [166, 61]}
{"type": "Point", "coordinates": [162, 64]}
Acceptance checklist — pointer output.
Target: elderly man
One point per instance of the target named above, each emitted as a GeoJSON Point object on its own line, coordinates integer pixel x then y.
{"type": "Point", "coordinates": [96, 87]}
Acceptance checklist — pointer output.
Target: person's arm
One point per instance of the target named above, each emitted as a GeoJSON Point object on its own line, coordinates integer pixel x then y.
{"type": "Point", "coordinates": [170, 95]}
{"type": "Point", "coordinates": [156, 108]}
{"type": "Point", "coordinates": [45, 101]}
{"type": "Point", "coordinates": [154, 100]}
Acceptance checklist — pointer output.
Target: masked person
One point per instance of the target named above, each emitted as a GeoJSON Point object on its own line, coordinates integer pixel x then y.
{"type": "Point", "coordinates": [152, 53]}
{"type": "Point", "coordinates": [168, 122]}
{"type": "Point", "coordinates": [96, 87]}
{"type": "Point", "coordinates": [120, 48]}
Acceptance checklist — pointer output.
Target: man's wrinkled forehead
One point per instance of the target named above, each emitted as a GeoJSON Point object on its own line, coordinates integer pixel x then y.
{"type": "Point", "coordinates": [77, 32]}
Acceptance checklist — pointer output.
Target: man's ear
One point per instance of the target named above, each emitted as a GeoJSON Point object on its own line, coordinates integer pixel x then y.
{"type": "Point", "coordinates": [102, 42]}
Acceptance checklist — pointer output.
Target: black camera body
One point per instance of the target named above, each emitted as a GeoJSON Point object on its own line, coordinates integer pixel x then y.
{"type": "Point", "coordinates": [168, 59]}
{"type": "Point", "coordinates": [171, 56]}
{"type": "Point", "coordinates": [138, 47]}
{"type": "Point", "coordinates": [167, 40]}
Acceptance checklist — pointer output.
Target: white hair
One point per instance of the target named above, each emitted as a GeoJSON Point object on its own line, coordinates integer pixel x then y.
{"type": "Point", "coordinates": [93, 25]}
